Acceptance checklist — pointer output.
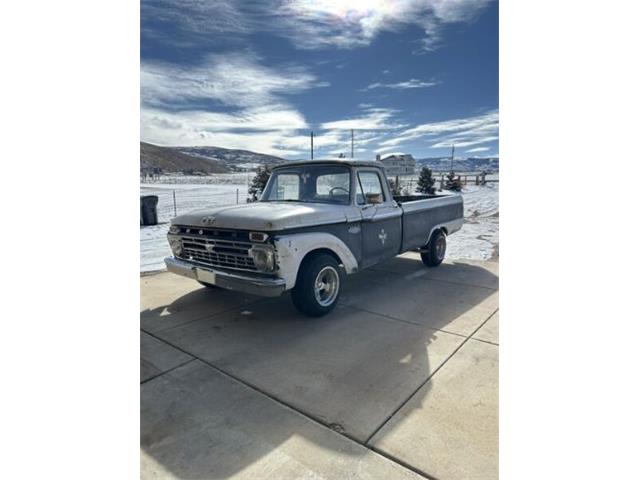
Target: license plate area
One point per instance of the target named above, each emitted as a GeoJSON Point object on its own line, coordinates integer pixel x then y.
{"type": "Point", "coordinates": [206, 276]}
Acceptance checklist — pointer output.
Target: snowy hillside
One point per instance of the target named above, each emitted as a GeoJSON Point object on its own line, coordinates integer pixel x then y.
{"type": "Point", "coordinates": [231, 158]}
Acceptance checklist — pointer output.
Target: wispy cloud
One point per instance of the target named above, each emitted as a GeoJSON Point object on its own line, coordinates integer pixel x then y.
{"type": "Point", "coordinates": [308, 24]}
{"type": "Point", "coordinates": [193, 23]}
{"type": "Point", "coordinates": [478, 149]}
{"type": "Point", "coordinates": [231, 100]}
{"type": "Point", "coordinates": [372, 119]}
{"type": "Point", "coordinates": [231, 79]}
{"type": "Point", "coordinates": [354, 23]}
{"type": "Point", "coordinates": [462, 132]}
{"type": "Point", "coordinates": [412, 83]}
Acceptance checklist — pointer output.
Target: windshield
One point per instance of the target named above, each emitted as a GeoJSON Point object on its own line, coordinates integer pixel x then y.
{"type": "Point", "coordinates": [310, 183]}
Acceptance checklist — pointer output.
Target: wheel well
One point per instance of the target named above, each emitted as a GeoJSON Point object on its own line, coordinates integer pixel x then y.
{"type": "Point", "coordinates": [319, 251]}
{"type": "Point", "coordinates": [443, 229]}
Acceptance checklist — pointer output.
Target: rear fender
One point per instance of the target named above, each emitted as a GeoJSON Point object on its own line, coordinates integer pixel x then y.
{"type": "Point", "coordinates": [448, 227]}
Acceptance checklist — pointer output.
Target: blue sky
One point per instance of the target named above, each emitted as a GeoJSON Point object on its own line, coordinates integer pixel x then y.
{"type": "Point", "coordinates": [408, 76]}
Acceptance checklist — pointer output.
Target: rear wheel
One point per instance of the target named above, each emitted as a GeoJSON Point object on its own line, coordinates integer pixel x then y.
{"type": "Point", "coordinates": [318, 286]}
{"type": "Point", "coordinates": [434, 252]}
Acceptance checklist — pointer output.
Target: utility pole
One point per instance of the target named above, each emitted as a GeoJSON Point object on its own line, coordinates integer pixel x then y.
{"type": "Point", "coordinates": [352, 143]}
{"type": "Point", "coordinates": [311, 144]}
{"type": "Point", "coordinates": [453, 149]}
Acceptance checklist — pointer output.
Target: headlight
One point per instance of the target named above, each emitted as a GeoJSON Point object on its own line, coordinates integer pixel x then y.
{"type": "Point", "coordinates": [174, 229]}
{"type": "Point", "coordinates": [175, 243]}
{"type": "Point", "coordinates": [263, 258]}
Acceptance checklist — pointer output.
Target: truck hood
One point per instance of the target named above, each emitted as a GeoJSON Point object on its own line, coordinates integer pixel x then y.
{"type": "Point", "coordinates": [265, 216]}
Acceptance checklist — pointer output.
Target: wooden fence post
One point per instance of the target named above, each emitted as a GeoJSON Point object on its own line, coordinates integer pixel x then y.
{"type": "Point", "coordinates": [175, 210]}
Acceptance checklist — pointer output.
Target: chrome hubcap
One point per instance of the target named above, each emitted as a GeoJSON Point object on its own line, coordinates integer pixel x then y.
{"type": "Point", "coordinates": [326, 286]}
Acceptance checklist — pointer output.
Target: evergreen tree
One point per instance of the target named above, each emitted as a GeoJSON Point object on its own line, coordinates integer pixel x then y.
{"type": "Point", "coordinates": [452, 182]}
{"type": "Point", "coordinates": [259, 182]}
{"type": "Point", "coordinates": [426, 181]}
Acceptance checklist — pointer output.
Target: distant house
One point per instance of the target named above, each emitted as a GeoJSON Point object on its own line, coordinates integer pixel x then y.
{"type": "Point", "coordinates": [398, 164]}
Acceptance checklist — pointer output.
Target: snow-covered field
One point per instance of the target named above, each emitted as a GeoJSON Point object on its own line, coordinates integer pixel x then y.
{"type": "Point", "coordinates": [477, 240]}
{"type": "Point", "coordinates": [228, 189]}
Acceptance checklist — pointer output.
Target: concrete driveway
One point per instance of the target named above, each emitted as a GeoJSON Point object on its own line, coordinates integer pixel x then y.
{"type": "Point", "coordinates": [399, 381]}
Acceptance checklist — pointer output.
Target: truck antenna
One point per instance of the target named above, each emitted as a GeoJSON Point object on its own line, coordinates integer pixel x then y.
{"type": "Point", "coordinates": [311, 144]}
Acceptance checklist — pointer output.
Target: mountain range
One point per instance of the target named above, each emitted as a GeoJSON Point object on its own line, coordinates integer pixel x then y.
{"type": "Point", "coordinates": [207, 160]}
{"type": "Point", "coordinates": [470, 164]}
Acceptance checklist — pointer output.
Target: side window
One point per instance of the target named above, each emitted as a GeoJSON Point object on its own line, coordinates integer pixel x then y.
{"type": "Point", "coordinates": [370, 188]}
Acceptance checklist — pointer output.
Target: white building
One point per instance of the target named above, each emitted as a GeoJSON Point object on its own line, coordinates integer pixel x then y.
{"type": "Point", "coordinates": [398, 164]}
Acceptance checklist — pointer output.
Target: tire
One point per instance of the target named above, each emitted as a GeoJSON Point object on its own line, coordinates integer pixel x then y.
{"type": "Point", "coordinates": [306, 296]}
{"type": "Point", "coordinates": [208, 285]}
{"type": "Point", "coordinates": [434, 252]}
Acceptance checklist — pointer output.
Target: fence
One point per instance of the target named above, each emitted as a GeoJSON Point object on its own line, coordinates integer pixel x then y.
{"type": "Point", "coordinates": [173, 202]}
{"type": "Point", "coordinates": [467, 178]}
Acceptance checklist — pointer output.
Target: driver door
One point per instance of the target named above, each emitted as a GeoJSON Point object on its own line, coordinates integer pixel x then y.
{"type": "Point", "coordinates": [381, 218]}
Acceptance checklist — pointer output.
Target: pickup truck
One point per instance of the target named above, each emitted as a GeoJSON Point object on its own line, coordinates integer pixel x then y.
{"type": "Point", "coordinates": [315, 222]}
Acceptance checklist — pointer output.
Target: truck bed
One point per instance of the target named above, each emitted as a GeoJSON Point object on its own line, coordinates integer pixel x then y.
{"type": "Point", "coordinates": [422, 213]}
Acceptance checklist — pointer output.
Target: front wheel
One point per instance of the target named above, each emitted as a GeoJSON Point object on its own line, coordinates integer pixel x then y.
{"type": "Point", "coordinates": [434, 252]}
{"type": "Point", "coordinates": [318, 286]}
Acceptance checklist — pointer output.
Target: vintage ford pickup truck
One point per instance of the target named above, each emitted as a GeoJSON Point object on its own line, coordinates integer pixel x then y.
{"type": "Point", "coordinates": [315, 222]}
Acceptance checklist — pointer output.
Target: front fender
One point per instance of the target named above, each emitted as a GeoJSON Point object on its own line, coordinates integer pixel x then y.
{"type": "Point", "coordinates": [291, 249]}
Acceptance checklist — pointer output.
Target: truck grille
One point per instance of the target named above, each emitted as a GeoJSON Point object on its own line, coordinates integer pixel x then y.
{"type": "Point", "coordinates": [215, 252]}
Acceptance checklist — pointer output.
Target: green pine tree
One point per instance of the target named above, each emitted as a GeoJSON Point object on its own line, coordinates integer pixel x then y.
{"type": "Point", "coordinates": [259, 182]}
{"type": "Point", "coordinates": [426, 182]}
{"type": "Point", "coordinates": [452, 182]}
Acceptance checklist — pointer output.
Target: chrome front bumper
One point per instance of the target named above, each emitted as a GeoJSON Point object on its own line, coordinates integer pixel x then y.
{"type": "Point", "coordinates": [266, 287]}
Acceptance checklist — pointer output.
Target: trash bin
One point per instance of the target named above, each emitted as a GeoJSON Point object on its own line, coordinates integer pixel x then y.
{"type": "Point", "coordinates": [149, 210]}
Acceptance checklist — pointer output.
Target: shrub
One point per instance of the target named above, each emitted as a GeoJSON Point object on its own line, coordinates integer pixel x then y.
{"type": "Point", "coordinates": [453, 183]}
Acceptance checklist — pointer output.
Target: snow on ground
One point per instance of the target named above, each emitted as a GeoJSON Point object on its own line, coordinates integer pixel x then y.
{"type": "Point", "coordinates": [478, 237]}
{"type": "Point", "coordinates": [477, 240]}
{"type": "Point", "coordinates": [188, 196]}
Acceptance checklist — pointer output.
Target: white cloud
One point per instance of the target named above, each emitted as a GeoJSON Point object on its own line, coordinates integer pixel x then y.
{"type": "Point", "coordinates": [308, 24]}
{"type": "Point", "coordinates": [463, 142]}
{"type": "Point", "coordinates": [316, 24]}
{"type": "Point", "coordinates": [193, 23]}
{"type": "Point", "coordinates": [460, 131]}
{"type": "Point", "coordinates": [478, 149]}
{"type": "Point", "coordinates": [228, 100]}
{"type": "Point", "coordinates": [373, 119]}
{"type": "Point", "coordinates": [412, 83]}
{"type": "Point", "coordinates": [231, 79]}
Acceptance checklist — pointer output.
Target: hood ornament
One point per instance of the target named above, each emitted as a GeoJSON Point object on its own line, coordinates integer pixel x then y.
{"type": "Point", "coordinates": [208, 220]}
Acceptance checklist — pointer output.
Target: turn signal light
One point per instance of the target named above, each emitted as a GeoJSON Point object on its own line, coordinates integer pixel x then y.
{"type": "Point", "coordinates": [258, 236]}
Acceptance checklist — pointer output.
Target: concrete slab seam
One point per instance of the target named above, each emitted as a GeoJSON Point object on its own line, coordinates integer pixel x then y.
{"type": "Point", "coordinates": [300, 412]}
{"type": "Point", "coordinates": [168, 371]}
{"type": "Point", "coordinates": [427, 379]}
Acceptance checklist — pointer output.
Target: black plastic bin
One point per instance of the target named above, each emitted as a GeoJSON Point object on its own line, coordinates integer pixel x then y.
{"type": "Point", "coordinates": [149, 210]}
